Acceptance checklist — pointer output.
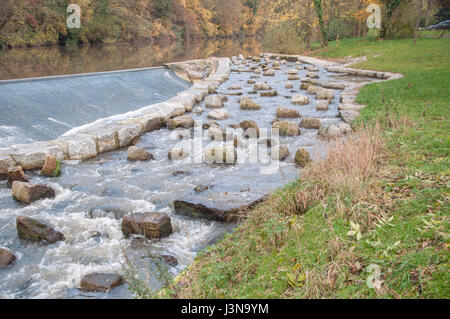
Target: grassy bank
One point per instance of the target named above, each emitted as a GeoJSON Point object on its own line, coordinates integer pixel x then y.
{"type": "Point", "coordinates": [379, 199]}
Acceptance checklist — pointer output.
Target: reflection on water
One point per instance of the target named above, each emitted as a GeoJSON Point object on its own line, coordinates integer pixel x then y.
{"type": "Point", "coordinates": [46, 61]}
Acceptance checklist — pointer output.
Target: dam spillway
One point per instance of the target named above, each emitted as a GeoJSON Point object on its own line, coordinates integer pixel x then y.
{"type": "Point", "coordinates": [44, 108]}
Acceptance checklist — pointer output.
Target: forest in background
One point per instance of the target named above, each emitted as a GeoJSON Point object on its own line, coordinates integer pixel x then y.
{"type": "Point", "coordinates": [284, 23]}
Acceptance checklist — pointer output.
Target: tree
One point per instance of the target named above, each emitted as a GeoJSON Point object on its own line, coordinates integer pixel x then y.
{"type": "Point", "coordinates": [419, 17]}
{"type": "Point", "coordinates": [323, 29]}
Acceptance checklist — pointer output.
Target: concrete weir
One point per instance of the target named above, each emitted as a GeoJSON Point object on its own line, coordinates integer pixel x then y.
{"type": "Point", "coordinates": [204, 75]}
{"type": "Point", "coordinates": [117, 131]}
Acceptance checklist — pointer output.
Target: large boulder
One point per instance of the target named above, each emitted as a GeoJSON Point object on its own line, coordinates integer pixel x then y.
{"type": "Point", "coordinates": [302, 157]}
{"type": "Point", "coordinates": [310, 123]}
{"type": "Point", "coordinates": [269, 72]}
{"type": "Point", "coordinates": [135, 154]}
{"type": "Point", "coordinates": [6, 258]}
{"type": "Point", "coordinates": [52, 166]}
{"type": "Point", "coordinates": [218, 114]}
{"type": "Point", "coordinates": [16, 174]}
{"type": "Point", "coordinates": [283, 112]}
{"type": "Point", "coordinates": [225, 211]}
{"type": "Point", "coordinates": [29, 192]}
{"type": "Point", "coordinates": [97, 282]}
{"type": "Point", "coordinates": [300, 99]}
{"type": "Point", "coordinates": [150, 225]}
{"type": "Point", "coordinates": [287, 128]}
{"type": "Point", "coordinates": [31, 229]}
{"type": "Point", "coordinates": [180, 122]}
{"type": "Point", "coordinates": [247, 104]}
{"type": "Point", "coordinates": [213, 102]}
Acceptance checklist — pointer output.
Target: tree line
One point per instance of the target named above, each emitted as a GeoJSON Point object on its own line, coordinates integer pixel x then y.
{"type": "Point", "coordinates": [43, 22]}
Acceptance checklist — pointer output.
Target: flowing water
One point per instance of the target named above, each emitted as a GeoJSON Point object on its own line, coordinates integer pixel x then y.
{"type": "Point", "coordinates": [97, 244]}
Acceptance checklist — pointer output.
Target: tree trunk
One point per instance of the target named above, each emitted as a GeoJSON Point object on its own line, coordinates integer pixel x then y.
{"type": "Point", "coordinates": [419, 17]}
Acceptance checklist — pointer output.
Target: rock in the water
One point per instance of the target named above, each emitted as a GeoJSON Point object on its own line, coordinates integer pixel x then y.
{"type": "Point", "coordinates": [31, 229]}
{"type": "Point", "coordinates": [218, 114]}
{"type": "Point", "coordinates": [311, 68]}
{"type": "Point", "coordinates": [220, 155]}
{"type": "Point", "coordinates": [248, 104]}
{"type": "Point", "coordinates": [304, 86]}
{"type": "Point", "coordinates": [250, 128]}
{"type": "Point", "coordinates": [289, 85]}
{"type": "Point", "coordinates": [138, 154]}
{"type": "Point", "coordinates": [170, 260]}
{"type": "Point", "coordinates": [312, 75]}
{"type": "Point", "coordinates": [310, 123]}
{"type": "Point", "coordinates": [235, 87]}
{"type": "Point", "coordinates": [198, 210]}
{"type": "Point", "coordinates": [269, 72]}
{"type": "Point", "coordinates": [213, 102]}
{"type": "Point", "coordinates": [269, 93]}
{"type": "Point", "coordinates": [6, 162]}
{"type": "Point", "coordinates": [287, 128]}
{"type": "Point", "coordinates": [300, 99]}
{"type": "Point", "coordinates": [292, 72]}
{"type": "Point", "coordinates": [6, 258]}
{"type": "Point", "coordinates": [293, 78]}
{"type": "Point", "coordinates": [324, 94]}
{"type": "Point", "coordinates": [97, 282]}
{"type": "Point", "coordinates": [150, 225]}
{"type": "Point", "coordinates": [345, 128]}
{"type": "Point", "coordinates": [262, 86]}
{"type": "Point", "coordinates": [280, 153]}
{"type": "Point", "coordinates": [283, 112]}
{"type": "Point", "coordinates": [330, 131]}
{"type": "Point", "coordinates": [202, 188]}
{"type": "Point", "coordinates": [29, 192]}
{"type": "Point", "coordinates": [184, 121]}
{"type": "Point", "coordinates": [178, 153]}
{"type": "Point", "coordinates": [198, 110]}
{"type": "Point", "coordinates": [107, 211]}
{"type": "Point", "coordinates": [52, 166]}
{"type": "Point", "coordinates": [302, 157]}
{"type": "Point", "coordinates": [322, 105]}
{"type": "Point", "coordinates": [312, 89]}
{"type": "Point", "coordinates": [16, 174]}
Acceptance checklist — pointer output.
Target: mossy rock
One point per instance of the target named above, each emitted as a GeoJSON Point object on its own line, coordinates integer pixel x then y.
{"type": "Point", "coordinates": [302, 157]}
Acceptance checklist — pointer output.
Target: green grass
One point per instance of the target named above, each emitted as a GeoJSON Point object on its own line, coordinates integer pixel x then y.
{"type": "Point", "coordinates": [401, 210]}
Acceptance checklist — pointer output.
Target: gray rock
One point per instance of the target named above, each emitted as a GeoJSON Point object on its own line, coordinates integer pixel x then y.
{"type": "Point", "coordinates": [214, 102]}
{"type": "Point", "coordinates": [31, 229]}
{"type": "Point", "coordinates": [300, 99]}
{"type": "Point", "coordinates": [32, 156]}
{"type": "Point", "coordinates": [218, 114]}
{"type": "Point", "coordinates": [247, 104]}
{"type": "Point", "coordinates": [138, 154]}
{"type": "Point", "coordinates": [283, 112]}
{"type": "Point", "coordinates": [29, 192]}
{"type": "Point", "coordinates": [180, 122]}
{"type": "Point", "coordinates": [7, 258]}
{"type": "Point", "coordinates": [310, 123]}
{"type": "Point", "coordinates": [150, 225]}
{"type": "Point", "coordinates": [98, 282]}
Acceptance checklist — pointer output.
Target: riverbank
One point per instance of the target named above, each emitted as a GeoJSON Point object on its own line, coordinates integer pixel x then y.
{"type": "Point", "coordinates": [380, 199]}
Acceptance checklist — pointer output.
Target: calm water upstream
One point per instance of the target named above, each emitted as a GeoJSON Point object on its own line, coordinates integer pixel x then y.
{"type": "Point", "coordinates": [46, 61]}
